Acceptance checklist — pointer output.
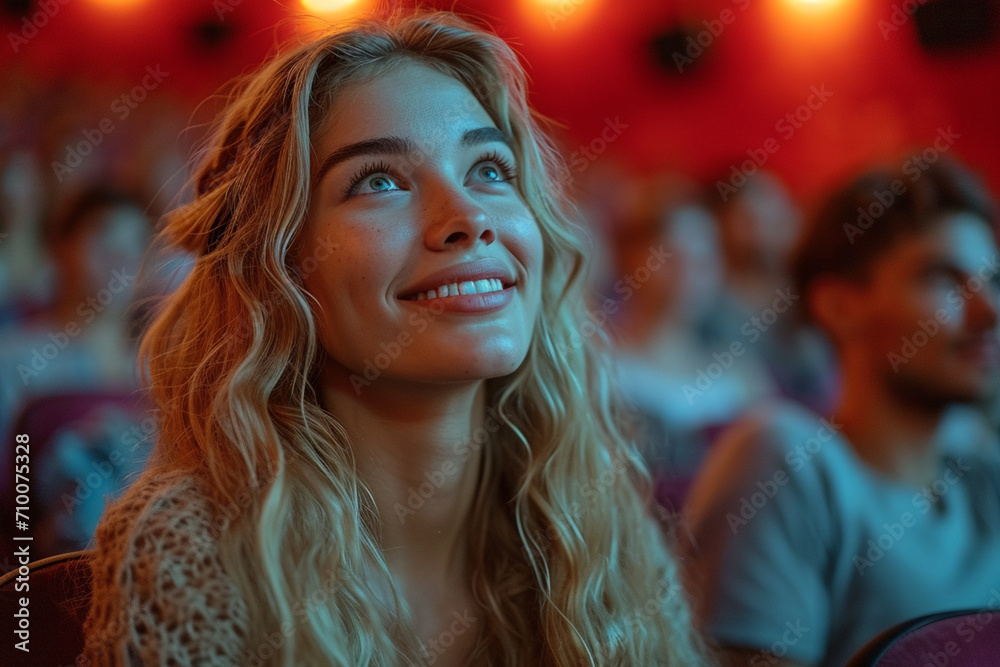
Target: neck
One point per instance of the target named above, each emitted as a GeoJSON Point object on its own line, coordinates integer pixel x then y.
{"type": "Point", "coordinates": [414, 450]}
{"type": "Point", "coordinates": [891, 434]}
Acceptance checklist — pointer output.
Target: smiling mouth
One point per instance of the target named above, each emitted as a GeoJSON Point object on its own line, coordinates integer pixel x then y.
{"type": "Point", "coordinates": [482, 286]}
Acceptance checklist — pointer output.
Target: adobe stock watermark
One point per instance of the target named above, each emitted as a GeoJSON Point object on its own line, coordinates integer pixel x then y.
{"type": "Point", "coordinates": [419, 150]}
{"type": "Point", "coordinates": [394, 349]}
{"type": "Point", "coordinates": [31, 25]}
{"type": "Point", "coordinates": [967, 630]}
{"type": "Point", "coordinates": [87, 310]}
{"type": "Point", "coordinates": [585, 154]}
{"type": "Point", "coordinates": [914, 168]}
{"type": "Point", "coordinates": [121, 107]}
{"type": "Point", "coordinates": [223, 7]}
{"type": "Point", "coordinates": [275, 640]}
{"type": "Point", "coordinates": [626, 287]}
{"type": "Point", "coordinates": [793, 633]}
{"type": "Point", "coordinates": [435, 479]}
{"type": "Point", "coordinates": [927, 329]}
{"type": "Point", "coordinates": [592, 491]}
{"type": "Point", "coordinates": [653, 606]}
{"type": "Point", "coordinates": [752, 330]}
{"type": "Point", "coordinates": [712, 30]}
{"type": "Point", "coordinates": [323, 250]}
{"type": "Point", "coordinates": [101, 471]}
{"type": "Point", "coordinates": [786, 127]}
{"type": "Point", "coordinates": [769, 487]}
{"type": "Point", "coordinates": [139, 433]}
{"type": "Point", "coordinates": [929, 497]}
{"type": "Point", "coordinates": [438, 646]}
{"type": "Point", "coordinates": [562, 11]}
{"type": "Point", "coordinates": [900, 15]}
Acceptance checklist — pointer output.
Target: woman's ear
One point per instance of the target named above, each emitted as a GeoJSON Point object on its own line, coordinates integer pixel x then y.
{"type": "Point", "coordinates": [836, 304]}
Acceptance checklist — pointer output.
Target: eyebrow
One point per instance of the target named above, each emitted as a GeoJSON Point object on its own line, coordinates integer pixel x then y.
{"type": "Point", "coordinates": [393, 145]}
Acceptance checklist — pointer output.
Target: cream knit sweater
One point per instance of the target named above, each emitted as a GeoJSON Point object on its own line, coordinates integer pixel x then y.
{"type": "Point", "coordinates": [161, 596]}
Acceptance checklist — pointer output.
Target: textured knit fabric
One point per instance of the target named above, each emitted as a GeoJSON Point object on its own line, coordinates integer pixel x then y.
{"type": "Point", "coordinates": [161, 596]}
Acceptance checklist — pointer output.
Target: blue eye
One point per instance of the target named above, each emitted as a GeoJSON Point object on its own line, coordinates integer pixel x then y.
{"type": "Point", "coordinates": [494, 168]}
{"type": "Point", "coordinates": [372, 178]}
{"type": "Point", "coordinates": [381, 183]}
{"type": "Point", "coordinates": [489, 172]}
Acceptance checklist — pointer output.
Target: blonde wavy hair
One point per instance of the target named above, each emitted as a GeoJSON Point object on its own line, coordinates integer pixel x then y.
{"type": "Point", "coordinates": [568, 567]}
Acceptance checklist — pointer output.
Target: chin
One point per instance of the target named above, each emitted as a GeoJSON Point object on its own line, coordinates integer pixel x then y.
{"type": "Point", "coordinates": [491, 366]}
{"type": "Point", "coordinates": [933, 394]}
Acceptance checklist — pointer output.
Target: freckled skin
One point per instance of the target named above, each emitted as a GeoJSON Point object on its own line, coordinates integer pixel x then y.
{"type": "Point", "coordinates": [431, 210]}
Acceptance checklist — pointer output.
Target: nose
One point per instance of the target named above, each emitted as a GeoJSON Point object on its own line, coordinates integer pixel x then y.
{"type": "Point", "coordinates": [456, 220]}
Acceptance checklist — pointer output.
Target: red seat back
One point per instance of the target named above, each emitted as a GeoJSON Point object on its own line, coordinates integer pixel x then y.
{"type": "Point", "coordinates": [967, 638]}
{"type": "Point", "coordinates": [58, 591]}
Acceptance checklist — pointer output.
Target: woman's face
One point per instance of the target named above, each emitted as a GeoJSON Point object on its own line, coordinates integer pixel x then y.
{"type": "Point", "coordinates": [424, 260]}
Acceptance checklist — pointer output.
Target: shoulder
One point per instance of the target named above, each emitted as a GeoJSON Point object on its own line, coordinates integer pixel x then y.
{"type": "Point", "coordinates": [161, 593]}
{"type": "Point", "coordinates": [781, 426]}
{"type": "Point", "coordinates": [161, 513]}
{"type": "Point", "coordinates": [780, 439]}
{"type": "Point", "coordinates": [762, 530]}
{"type": "Point", "coordinates": [773, 483]}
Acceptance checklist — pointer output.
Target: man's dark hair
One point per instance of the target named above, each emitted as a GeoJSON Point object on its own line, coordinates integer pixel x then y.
{"type": "Point", "coordinates": [862, 220]}
{"type": "Point", "coordinates": [75, 213]}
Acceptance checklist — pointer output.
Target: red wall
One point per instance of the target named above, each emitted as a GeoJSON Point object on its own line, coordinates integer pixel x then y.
{"type": "Point", "coordinates": [589, 63]}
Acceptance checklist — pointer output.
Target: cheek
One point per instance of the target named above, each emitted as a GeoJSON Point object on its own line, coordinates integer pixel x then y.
{"type": "Point", "coordinates": [533, 249]}
{"type": "Point", "coordinates": [527, 236]}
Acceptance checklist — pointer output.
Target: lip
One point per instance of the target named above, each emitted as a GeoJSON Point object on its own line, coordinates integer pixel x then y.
{"type": "Point", "coordinates": [475, 304]}
{"type": "Point", "coordinates": [479, 269]}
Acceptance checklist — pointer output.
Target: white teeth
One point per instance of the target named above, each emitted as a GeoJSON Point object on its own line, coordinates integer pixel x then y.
{"type": "Point", "coordinates": [482, 286]}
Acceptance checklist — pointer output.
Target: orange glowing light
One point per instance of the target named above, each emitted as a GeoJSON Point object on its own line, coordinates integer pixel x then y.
{"type": "Point", "coordinates": [558, 16]}
{"type": "Point", "coordinates": [118, 4]}
{"type": "Point", "coordinates": [328, 6]}
{"type": "Point", "coordinates": [321, 15]}
{"type": "Point", "coordinates": [817, 8]}
{"type": "Point", "coordinates": [803, 26]}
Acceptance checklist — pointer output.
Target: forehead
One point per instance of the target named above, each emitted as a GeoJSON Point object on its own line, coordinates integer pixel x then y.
{"type": "Point", "coordinates": [411, 100]}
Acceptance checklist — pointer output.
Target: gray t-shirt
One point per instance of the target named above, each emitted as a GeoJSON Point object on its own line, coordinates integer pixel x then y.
{"type": "Point", "coordinates": [802, 550]}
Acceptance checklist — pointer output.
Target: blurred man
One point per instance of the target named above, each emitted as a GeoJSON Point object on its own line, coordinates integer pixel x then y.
{"type": "Point", "coordinates": [759, 222]}
{"type": "Point", "coordinates": [813, 535]}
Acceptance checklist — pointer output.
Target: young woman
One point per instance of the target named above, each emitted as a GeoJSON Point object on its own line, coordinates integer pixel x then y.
{"type": "Point", "coordinates": [385, 438]}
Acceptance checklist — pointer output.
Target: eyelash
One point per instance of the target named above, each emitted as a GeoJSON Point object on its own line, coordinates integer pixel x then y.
{"type": "Point", "coordinates": [507, 171]}
{"type": "Point", "coordinates": [506, 167]}
{"type": "Point", "coordinates": [365, 172]}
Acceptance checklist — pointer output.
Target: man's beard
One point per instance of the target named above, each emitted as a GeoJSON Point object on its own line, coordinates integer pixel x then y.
{"type": "Point", "coordinates": [929, 394]}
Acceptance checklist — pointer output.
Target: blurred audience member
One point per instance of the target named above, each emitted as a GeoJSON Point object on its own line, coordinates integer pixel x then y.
{"type": "Point", "coordinates": [759, 222]}
{"type": "Point", "coordinates": [83, 339]}
{"type": "Point", "coordinates": [813, 535]}
{"type": "Point", "coordinates": [22, 284]}
{"type": "Point", "coordinates": [83, 463]}
{"type": "Point", "coordinates": [668, 278]}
